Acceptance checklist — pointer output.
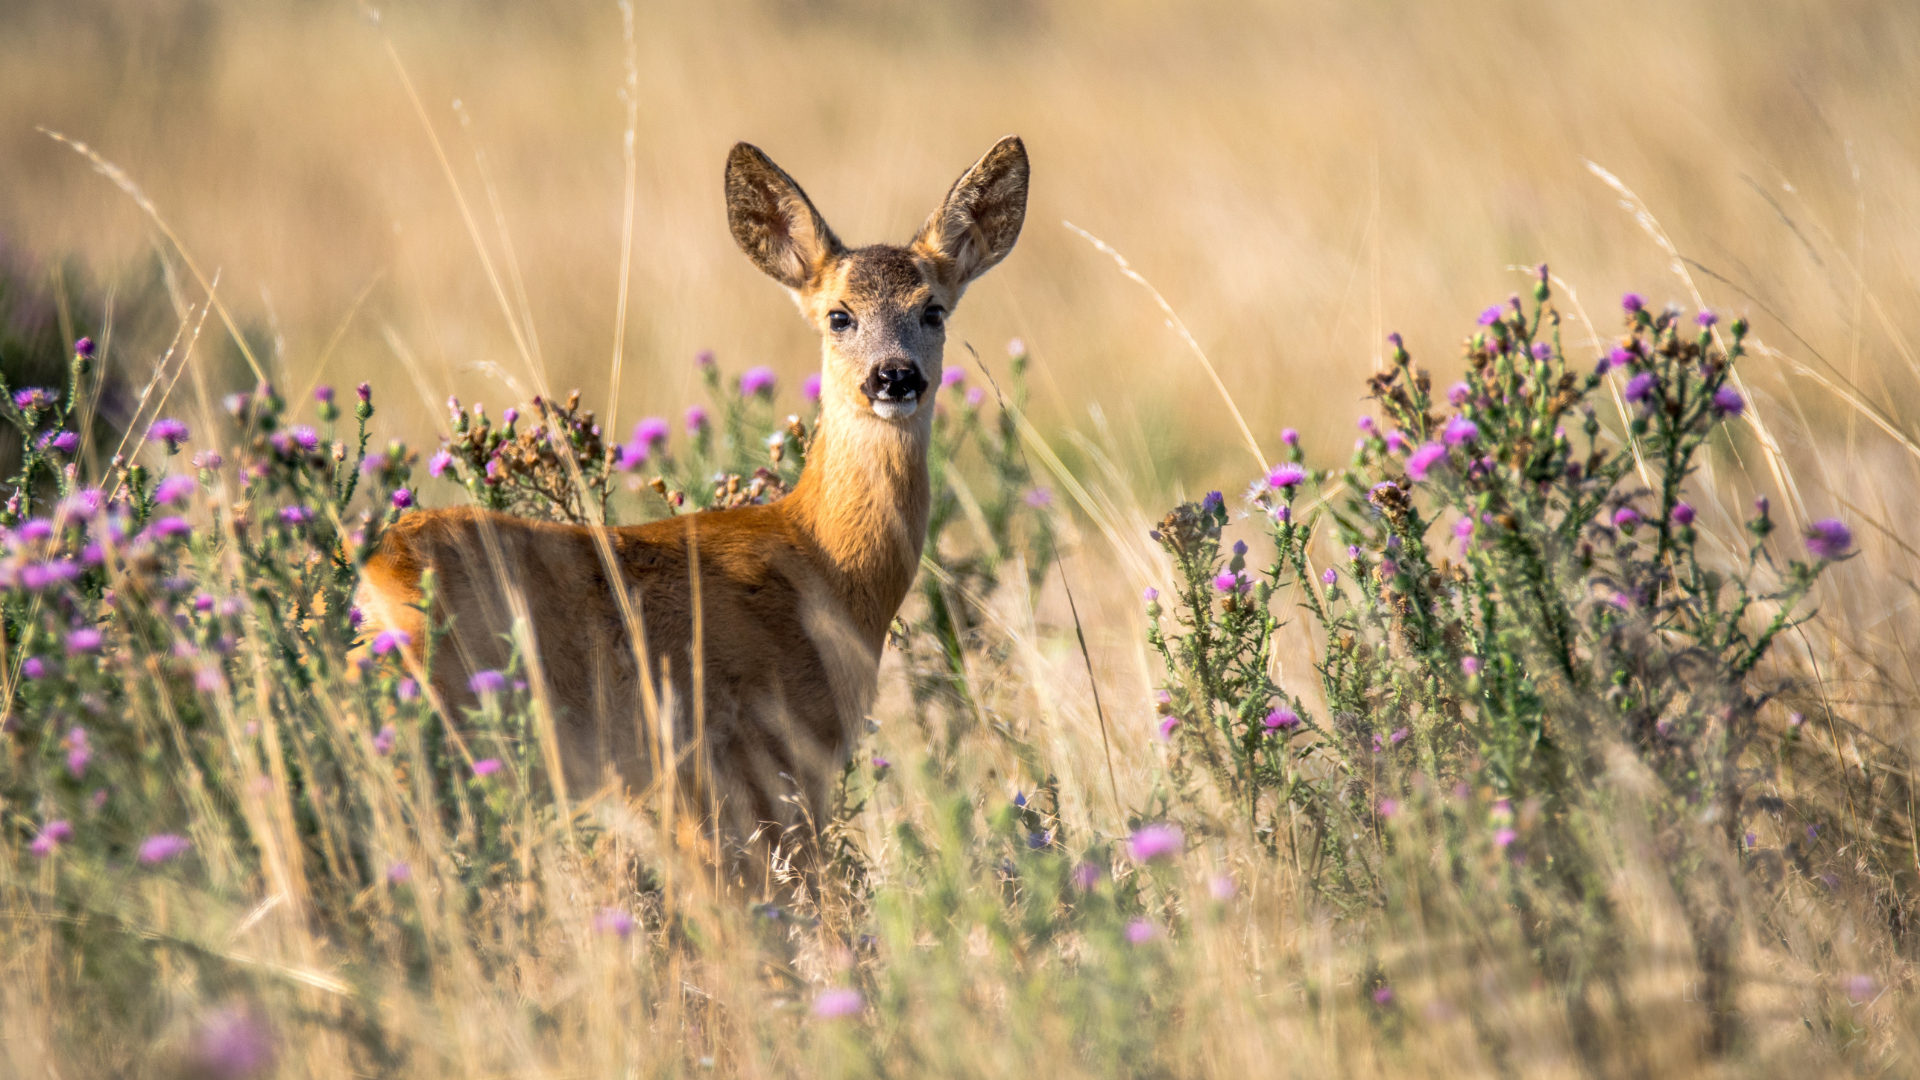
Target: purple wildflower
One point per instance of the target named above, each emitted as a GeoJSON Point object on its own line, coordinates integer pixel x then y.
{"type": "Point", "coordinates": [1682, 514]}
{"type": "Point", "coordinates": [1286, 476]}
{"type": "Point", "coordinates": [1213, 501]}
{"type": "Point", "coordinates": [1706, 319]}
{"type": "Point", "coordinates": [1330, 576]}
{"type": "Point", "coordinates": [233, 1044]}
{"type": "Point", "coordinates": [323, 394]}
{"type": "Point", "coordinates": [976, 395]}
{"type": "Point", "coordinates": [1632, 303]}
{"type": "Point", "coordinates": [391, 641]}
{"type": "Point", "coordinates": [207, 459]}
{"type": "Point", "coordinates": [1281, 719]}
{"type": "Point", "coordinates": [383, 740]}
{"type": "Point", "coordinates": [372, 464]}
{"type": "Point", "coordinates": [1470, 665]}
{"type": "Point", "coordinates": [611, 920]}
{"type": "Point", "coordinates": [1231, 583]}
{"type": "Point", "coordinates": [1490, 316]}
{"type": "Point", "coordinates": [652, 431]}
{"type": "Point", "coordinates": [696, 419]}
{"type": "Point", "coordinates": [1641, 386]}
{"type": "Point", "coordinates": [1542, 351]}
{"type": "Point", "coordinates": [1626, 518]}
{"type": "Point", "coordinates": [175, 489]}
{"type": "Point", "coordinates": [1366, 424]}
{"type": "Point", "coordinates": [34, 668]}
{"type": "Point", "coordinates": [487, 682]}
{"type": "Point", "coordinates": [399, 874]}
{"type": "Point", "coordinates": [1503, 836]}
{"type": "Point", "coordinates": [83, 347]}
{"type": "Point", "coordinates": [1460, 430]}
{"type": "Point", "coordinates": [1150, 594]}
{"type": "Point", "coordinates": [402, 498]}
{"type": "Point", "coordinates": [158, 849]}
{"type": "Point", "coordinates": [953, 376]}
{"type": "Point", "coordinates": [1424, 459]}
{"type": "Point", "coordinates": [407, 690]}
{"type": "Point", "coordinates": [758, 381]}
{"type": "Point", "coordinates": [1383, 996]}
{"type": "Point", "coordinates": [1167, 726]}
{"type": "Point", "coordinates": [64, 441]}
{"type": "Point", "coordinates": [1151, 843]}
{"type": "Point", "coordinates": [438, 464]}
{"type": "Point", "coordinates": [838, 1003]}
{"type": "Point", "coordinates": [295, 515]}
{"type": "Point", "coordinates": [170, 431]}
{"type": "Point", "coordinates": [364, 392]}
{"type": "Point", "coordinates": [486, 767]}
{"type": "Point", "coordinates": [306, 438]}
{"type": "Point", "coordinates": [1290, 436]}
{"type": "Point", "coordinates": [84, 640]}
{"type": "Point", "coordinates": [1039, 498]}
{"type": "Point", "coordinates": [1829, 538]}
{"type": "Point", "coordinates": [1399, 736]}
{"type": "Point", "coordinates": [79, 752]}
{"type": "Point", "coordinates": [1458, 393]}
{"type": "Point", "coordinates": [1085, 876]}
{"type": "Point", "coordinates": [35, 397]}
{"type": "Point", "coordinates": [1727, 402]}
{"type": "Point", "coordinates": [51, 836]}
{"type": "Point", "coordinates": [880, 763]}
{"type": "Point", "coordinates": [1016, 348]}
{"type": "Point", "coordinates": [1140, 931]}
{"type": "Point", "coordinates": [703, 358]}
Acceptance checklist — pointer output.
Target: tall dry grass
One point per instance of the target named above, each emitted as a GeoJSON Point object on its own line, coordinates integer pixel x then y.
{"type": "Point", "coordinates": [1296, 182]}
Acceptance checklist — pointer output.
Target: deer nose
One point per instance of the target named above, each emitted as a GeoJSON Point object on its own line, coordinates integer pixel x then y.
{"type": "Point", "coordinates": [895, 380]}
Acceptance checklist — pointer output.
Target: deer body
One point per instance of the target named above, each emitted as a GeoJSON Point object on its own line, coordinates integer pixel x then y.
{"type": "Point", "coordinates": [794, 597]}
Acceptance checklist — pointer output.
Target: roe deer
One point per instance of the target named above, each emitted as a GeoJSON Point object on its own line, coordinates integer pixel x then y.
{"type": "Point", "coordinates": [795, 597]}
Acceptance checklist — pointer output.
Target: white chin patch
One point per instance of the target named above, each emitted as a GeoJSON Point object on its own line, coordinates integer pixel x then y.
{"type": "Point", "coordinates": [896, 410]}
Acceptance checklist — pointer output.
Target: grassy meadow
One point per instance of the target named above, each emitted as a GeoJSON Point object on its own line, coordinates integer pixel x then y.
{"type": "Point", "coordinates": [1576, 740]}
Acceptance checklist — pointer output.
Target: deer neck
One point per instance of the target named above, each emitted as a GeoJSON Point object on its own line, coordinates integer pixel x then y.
{"type": "Point", "coordinates": [863, 500]}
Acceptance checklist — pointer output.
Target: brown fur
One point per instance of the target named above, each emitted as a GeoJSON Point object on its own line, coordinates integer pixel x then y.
{"type": "Point", "coordinates": [795, 596]}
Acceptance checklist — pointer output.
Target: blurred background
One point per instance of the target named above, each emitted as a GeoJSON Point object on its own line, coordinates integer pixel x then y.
{"type": "Point", "coordinates": [1297, 178]}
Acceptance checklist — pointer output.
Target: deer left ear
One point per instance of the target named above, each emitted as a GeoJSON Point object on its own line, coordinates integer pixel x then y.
{"type": "Point", "coordinates": [979, 221]}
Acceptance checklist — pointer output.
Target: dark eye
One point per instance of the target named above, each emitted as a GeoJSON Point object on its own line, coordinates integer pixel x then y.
{"type": "Point", "coordinates": [839, 321]}
{"type": "Point", "coordinates": [935, 317]}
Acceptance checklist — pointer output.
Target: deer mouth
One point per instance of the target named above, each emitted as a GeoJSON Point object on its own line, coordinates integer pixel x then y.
{"type": "Point", "coordinates": [894, 389]}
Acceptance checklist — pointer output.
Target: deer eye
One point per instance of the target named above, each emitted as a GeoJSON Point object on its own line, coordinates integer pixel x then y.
{"type": "Point", "coordinates": [839, 321]}
{"type": "Point", "coordinates": [935, 316]}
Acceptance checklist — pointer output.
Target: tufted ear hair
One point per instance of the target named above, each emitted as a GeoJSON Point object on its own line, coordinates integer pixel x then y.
{"type": "Point", "coordinates": [979, 221]}
{"type": "Point", "coordinates": [774, 222]}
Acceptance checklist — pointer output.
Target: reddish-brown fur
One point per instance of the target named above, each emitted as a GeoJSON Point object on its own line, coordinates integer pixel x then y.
{"type": "Point", "coordinates": [795, 597]}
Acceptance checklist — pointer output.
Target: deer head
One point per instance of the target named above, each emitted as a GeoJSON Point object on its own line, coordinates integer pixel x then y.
{"type": "Point", "coordinates": [881, 310]}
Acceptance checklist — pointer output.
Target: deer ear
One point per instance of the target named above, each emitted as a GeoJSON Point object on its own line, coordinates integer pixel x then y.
{"type": "Point", "coordinates": [979, 221]}
{"type": "Point", "coordinates": [773, 220]}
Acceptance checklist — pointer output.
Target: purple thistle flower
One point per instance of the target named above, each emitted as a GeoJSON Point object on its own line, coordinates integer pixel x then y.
{"type": "Point", "coordinates": [1542, 351]}
{"type": "Point", "coordinates": [1016, 348]}
{"type": "Point", "coordinates": [758, 381]}
{"type": "Point", "coordinates": [83, 347]}
{"type": "Point", "coordinates": [881, 764]}
{"type": "Point", "coordinates": [168, 430]}
{"type": "Point", "coordinates": [1397, 442]}
{"type": "Point", "coordinates": [295, 515]}
{"type": "Point", "coordinates": [610, 920]}
{"type": "Point", "coordinates": [1366, 424]}
{"type": "Point", "coordinates": [1286, 476]}
{"type": "Point", "coordinates": [1290, 436]}
{"type": "Point", "coordinates": [1399, 736]}
{"type": "Point", "coordinates": [1632, 303]}
{"type": "Point", "coordinates": [1626, 518]}
{"type": "Point", "coordinates": [1222, 887]}
{"type": "Point", "coordinates": [1458, 393]}
{"type": "Point", "coordinates": [323, 394]}
{"type": "Point", "coordinates": [207, 459]}
{"type": "Point", "coordinates": [1330, 576]}
{"type": "Point", "coordinates": [1151, 843]}
{"type": "Point", "coordinates": [1491, 315]}
{"type": "Point", "coordinates": [810, 386]}
{"type": "Point", "coordinates": [1281, 719]}
{"type": "Point", "coordinates": [1460, 430]}
{"type": "Point", "coordinates": [158, 849]}
{"type": "Point", "coordinates": [487, 682]}
{"type": "Point", "coordinates": [1761, 505]}
{"type": "Point", "coordinates": [1470, 665]}
{"type": "Point", "coordinates": [1167, 726]}
{"type": "Point", "coordinates": [79, 752]}
{"type": "Point", "coordinates": [703, 358]}
{"type": "Point", "coordinates": [1240, 548]}
{"type": "Point", "coordinates": [372, 464]}
{"type": "Point", "coordinates": [34, 668]}
{"type": "Point", "coordinates": [838, 1003]}
{"type": "Point", "coordinates": [1682, 514]}
{"type": "Point", "coordinates": [35, 397]}
{"type": "Point", "coordinates": [1829, 538]}
{"type": "Point", "coordinates": [402, 498]}
{"type": "Point", "coordinates": [1085, 876]}
{"type": "Point", "coordinates": [1383, 996]}
{"type": "Point", "coordinates": [1706, 319]}
{"type": "Point", "coordinates": [953, 376]}
{"type": "Point", "coordinates": [1641, 387]}
{"type": "Point", "coordinates": [364, 392]}
{"type": "Point", "coordinates": [1503, 836]}
{"type": "Point", "coordinates": [391, 641]}
{"type": "Point", "coordinates": [84, 640]}
{"type": "Point", "coordinates": [1728, 402]}
{"type": "Point", "coordinates": [1039, 498]}
{"type": "Point", "coordinates": [486, 767]}
{"type": "Point", "coordinates": [1424, 459]}
{"type": "Point", "coordinates": [407, 690]}
{"type": "Point", "coordinates": [168, 528]}
{"type": "Point", "coordinates": [976, 395]}
{"type": "Point", "coordinates": [233, 1044]}
{"type": "Point", "coordinates": [175, 489]}
{"type": "Point", "coordinates": [1150, 594]}
{"type": "Point", "coordinates": [308, 439]}
{"type": "Point", "coordinates": [65, 441]}
{"type": "Point", "coordinates": [1230, 583]}
{"type": "Point", "coordinates": [399, 874]}
{"type": "Point", "coordinates": [652, 431]}
{"type": "Point", "coordinates": [51, 836]}
{"type": "Point", "coordinates": [696, 419]}
{"type": "Point", "coordinates": [510, 416]}
{"type": "Point", "coordinates": [1140, 931]}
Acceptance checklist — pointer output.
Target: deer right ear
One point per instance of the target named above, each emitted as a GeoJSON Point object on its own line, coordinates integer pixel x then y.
{"type": "Point", "coordinates": [773, 221]}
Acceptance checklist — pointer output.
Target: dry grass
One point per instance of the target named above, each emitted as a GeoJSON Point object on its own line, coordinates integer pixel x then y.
{"type": "Point", "coordinates": [1296, 181]}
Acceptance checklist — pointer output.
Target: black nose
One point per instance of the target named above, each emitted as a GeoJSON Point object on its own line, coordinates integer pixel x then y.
{"type": "Point", "coordinates": [895, 380]}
